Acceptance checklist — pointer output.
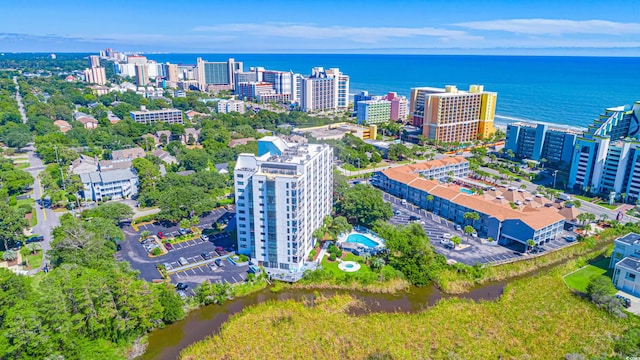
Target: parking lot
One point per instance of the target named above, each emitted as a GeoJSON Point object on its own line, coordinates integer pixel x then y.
{"type": "Point", "coordinates": [196, 269]}
{"type": "Point", "coordinates": [477, 252]}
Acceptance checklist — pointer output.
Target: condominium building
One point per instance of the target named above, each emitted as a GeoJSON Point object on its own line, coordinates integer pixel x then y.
{"type": "Point", "coordinates": [399, 106]}
{"type": "Point", "coordinates": [452, 115]}
{"type": "Point", "coordinates": [362, 96]}
{"type": "Point", "coordinates": [137, 59]}
{"type": "Point", "coordinates": [94, 61]}
{"type": "Point", "coordinates": [373, 111]}
{"type": "Point", "coordinates": [324, 90]}
{"type": "Point", "coordinates": [283, 82]}
{"type": "Point", "coordinates": [253, 90]}
{"type": "Point", "coordinates": [625, 260]}
{"type": "Point", "coordinates": [508, 215]}
{"type": "Point", "coordinates": [217, 74]}
{"type": "Point", "coordinates": [142, 74]}
{"type": "Point", "coordinates": [537, 141]}
{"type": "Point", "coordinates": [282, 196]}
{"type": "Point", "coordinates": [95, 75]}
{"type": "Point", "coordinates": [172, 74]}
{"type": "Point", "coordinates": [606, 157]}
{"type": "Point", "coordinates": [107, 185]}
{"type": "Point", "coordinates": [169, 116]}
{"type": "Point", "coordinates": [228, 106]}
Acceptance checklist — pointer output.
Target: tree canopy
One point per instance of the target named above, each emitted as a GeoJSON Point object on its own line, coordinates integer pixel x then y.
{"type": "Point", "coordinates": [363, 205]}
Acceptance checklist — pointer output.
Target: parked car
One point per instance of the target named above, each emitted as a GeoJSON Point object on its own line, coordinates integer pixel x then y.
{"type": "Point", "coordinates": [398, 212]}
{"type": "Point", "coordinates": [35, 239]}
{"type": "Point", "coordinates": [221, 251]}
{"type": "Point", "coordinates": [204, 237]}
{"type": "Point", "coordinates": [458, 227]}
{"type": "Point", "coordinates": [626, 302]}
{"type": "Point", "coordinates": [569, 238]}
{"type": "Point", "coordinates": [445, 241]}
{"type": "Point", "coordinates": [404, 202]}
{"type": "Point", "coordinates": [182, 286]}
{"type": "Point", "coordinates": [161, 235]}
{"type": "Point", "coordinates": [474, 234]}
{"type": "Point", "coordinates": [182, 294]}
{"type": "Point", "coordinates": [446, 236]}
{"type": "Point", "coordinates": [18, 245]}
{"type": "Point", "coordinates": [184, 231]}
{"type": "Point", "coordinates": [183, 261]}
{"type": "Point", "coordinates": [148, 241]}
{"type": "Point", "coordinates": [449, 245]}
{"type": "Point", "coordinates": [219, 262]}
{"type": "Point", "coordinates": [168, 246]}
{"type": "Point", "coordinates": [413, 218]}
{"type": "Point", "coordinates": [167, 266]}
{"type": "Point", "coordinates": [206, 256]}
{"type": "Point", "coordinates": [118, 247]}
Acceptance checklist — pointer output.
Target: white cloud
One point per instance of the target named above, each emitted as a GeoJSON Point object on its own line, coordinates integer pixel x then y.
{"type": "Point", "coordinates": [554, 26]}
{"type": "Point", "coordinates": [357, 34]}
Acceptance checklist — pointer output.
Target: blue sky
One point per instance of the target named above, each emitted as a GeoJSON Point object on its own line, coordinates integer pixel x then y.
{"type": "Point", "coordinates": [373, 26]}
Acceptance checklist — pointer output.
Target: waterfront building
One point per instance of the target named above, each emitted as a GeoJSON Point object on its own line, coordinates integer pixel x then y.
{"type": "Point", "coordinates": [229, 106]}
{"type": "Point", "coordinates": [324, 90]}
{"type": "Point", "coordinates": [137, 60]}
{"type": "Point", "coordinates": [220, 75]}
{"type": "Point", "coordinates": [142, 74]}
{"type": "Point", "coordinates": [373, 111]}
{"type": "Point", "coordinates": [362, 96]}
{"type": "Point", "coordinates": [537, 141]}
{"type": "Point", "coordinates": [399, 106]}
{"type": "Point", "coordinates": [452, 115]}
{"type": "Point", "coordinates": [283, 82]}
{"type": "Point", "coordinates": [95, 75]}
{"type": "Point", "coordinates": [606, 157]}
{"type": "Point", "coordinates": [508, 215]}
{"type": "Point", "coordinates": [253, 90]}
{"type": "Point", "coordinates": [169, 116]}
{"type": "Point", "coordinates": [282, 196]}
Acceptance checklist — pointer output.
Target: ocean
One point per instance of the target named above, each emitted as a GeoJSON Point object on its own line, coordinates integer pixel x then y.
{"type": "Point", "coordinates": [569, 91]}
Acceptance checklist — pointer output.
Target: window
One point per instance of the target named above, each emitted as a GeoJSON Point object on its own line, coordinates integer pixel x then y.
{"type": "Point", "coordinates": [630, 276]}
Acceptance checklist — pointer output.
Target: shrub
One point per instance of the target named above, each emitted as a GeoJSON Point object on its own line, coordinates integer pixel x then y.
{"type": "Point", "coordinates": [13, 201]}
{"type": "Point", "coordinates": [332, 257]}
{"type": "Point", "coordinates": [156, 251]}
{"type": "Point", "coordinates": [243, 258]}
{"type": "Point", "coordinates": [312, 254]}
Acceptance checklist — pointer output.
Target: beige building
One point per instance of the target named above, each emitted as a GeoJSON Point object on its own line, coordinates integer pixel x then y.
{"type": "Point", "coordinates": [452, 115]}
{"type": "Point", "coordinates": [95, 75]}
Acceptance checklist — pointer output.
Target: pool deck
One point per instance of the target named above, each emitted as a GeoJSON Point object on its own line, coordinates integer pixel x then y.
{"type": "Point", "coordinates": [367, 233]}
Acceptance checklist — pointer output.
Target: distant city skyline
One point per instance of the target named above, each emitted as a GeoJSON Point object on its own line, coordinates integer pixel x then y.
{"type": "Point", "coordinates": [406, 27]}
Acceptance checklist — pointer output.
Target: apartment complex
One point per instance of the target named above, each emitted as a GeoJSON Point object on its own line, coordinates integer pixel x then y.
{"type": "Point", "coordinates": [540, 141]}
{"type": "Point", "coordinates": [169, 116]}
{"type": "Point", "coordinates": [508, 215]}
{"type": "Point", "coordinates": [606, 157]}
{"type": "Point", "coordinates": [282, 196]}
{"type": "Point", "coordinates": [95, 75]}
{"type": "Point", "coordinates": [229, 106]}
{"type": "Point", "coordinates": [373, 111]}
{"type": "Point", "coordinates": [107, 185]}
{"type": "Point", "coordinates": [452, 115]}
{"type": "Point", "coordinates": [216, 75]}
{"type": "Point", "coordinates": [142, 74]}
{"type": "Point", "coordinates": [324, 90]}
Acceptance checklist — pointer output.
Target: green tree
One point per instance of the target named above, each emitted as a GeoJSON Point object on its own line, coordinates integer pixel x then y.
{"type": "Point", "coordinates": [112, 211]}
{"type": "Point", "coordinates": [471, 215]}
{"type": "Point", "coordinates": [530, 244]}
{"type": "Point", "coordinates": [12, 225]}
{"type": "Point", "coordinates": [194, 220]}
{"type": "Point", "coordinates": [172, 304]}
{"type": "Point", "coordinates": [185, 223]}
{"type": "Point", "coordinates": [182, 202]}
{"type": "Point", "coordinates": [363, 205]}
{"type": "Point", "coordinates": [377, 263]}
{"type": "Point", "coordinates": [469, 230]}
{"type": "Point", "coordinates": [145, 234]}
{"type": "Point", "coordinates": [33, 247]}
{"type": "Point", "coordinates": [10, 255]}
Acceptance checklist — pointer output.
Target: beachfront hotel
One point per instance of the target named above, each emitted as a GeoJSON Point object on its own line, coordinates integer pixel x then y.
{"type": "Point", "coordinates": [452, 115]}
{"type": "Point", "coordinates": [373, 111]}
{"type": "Point", "coordinates": [537, 141]}
{"type": "Point", "coordinates": [606, 157]}
{"type": "Point", "coordinates": [508, 215]}
{"type": "Point", "coordinates": [282, 196]}
{"type": "Point", "coordinates": [324, 90]}
{"type": "Point", "coordinates": [216, 75]}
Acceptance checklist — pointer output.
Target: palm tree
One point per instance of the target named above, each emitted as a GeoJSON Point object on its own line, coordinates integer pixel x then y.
{"type": "Point", "coordinates": [469, 230]}
{"type": "Point", "coordinates": [377, 263]}
{"type": "Point", "coordinates": [10, 255]}
{"type": "Point", "coordinates": [33, 247]}
{"type": "Point", "coordinates": [623, 196]}
{"type": "Point", "coordinates": [456, 240]}
{"type": "Point", "coordinates": [365, 256]}
{"type": "Point", "coordinates": [430, 200]}
{"type": "Point", "coordinates": [471, 215]}
{"type": "Point", "coordinates": [530, 245]}
{"type": "Point", "coordinates": [604, 217]}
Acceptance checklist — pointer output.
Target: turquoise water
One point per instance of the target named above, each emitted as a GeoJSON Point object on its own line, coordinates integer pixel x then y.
{"type": "Point", "coordinates": [466, 191]}
{"type": "Point", "coordinates": [555, 89]}
{"type": "Point", "coordinates": [361, 239]}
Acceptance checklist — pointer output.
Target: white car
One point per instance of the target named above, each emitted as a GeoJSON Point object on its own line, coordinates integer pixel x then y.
{"type": "Point", "coordinates": [446, 236]}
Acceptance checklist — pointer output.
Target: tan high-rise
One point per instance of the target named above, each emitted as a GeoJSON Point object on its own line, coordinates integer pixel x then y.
{"type": "Point", "coordinates": [452, 115]}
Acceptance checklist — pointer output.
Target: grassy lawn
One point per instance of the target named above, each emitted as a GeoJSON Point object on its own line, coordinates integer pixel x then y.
{"type": "Point", "coordinates": [583, 198]}
{"type": "Point", "coordinates": [34, 260]}
{"type": "Point", "coordinates": [580, 279]}
{"type": "Point", "coordinates": [332, 266]}
{"type": "Point", "coordinates": [606, 205]}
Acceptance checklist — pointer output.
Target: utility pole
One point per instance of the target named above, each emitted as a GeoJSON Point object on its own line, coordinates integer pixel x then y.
{"type": "Point", "coordinates": [555, 173]}
{"type": "Point", "coordinates": [64, 186]}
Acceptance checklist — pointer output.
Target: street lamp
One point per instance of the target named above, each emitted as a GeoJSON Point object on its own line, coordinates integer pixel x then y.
{"type": "Point", "coordinates": [555, 173]}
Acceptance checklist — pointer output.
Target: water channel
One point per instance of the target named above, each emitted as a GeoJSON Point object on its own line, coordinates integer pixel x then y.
{"type": "Point", "coordinates": [167, 343]}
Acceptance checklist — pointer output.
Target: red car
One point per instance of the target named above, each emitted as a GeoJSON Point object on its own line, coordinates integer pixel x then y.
{"type": "Point", "coordinates": [168, 246]}
{"type": "Point", "coordinates": [161, 235]}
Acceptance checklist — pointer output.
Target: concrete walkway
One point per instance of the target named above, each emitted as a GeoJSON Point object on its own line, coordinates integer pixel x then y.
{"type": "Point", "coordinates": [323, 251]}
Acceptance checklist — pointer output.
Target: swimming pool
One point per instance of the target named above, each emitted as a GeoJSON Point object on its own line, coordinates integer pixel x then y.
{"type": "Point", "coordinates": [466, 191]}
{"type": "Point", "coordinates": [361, 239]}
